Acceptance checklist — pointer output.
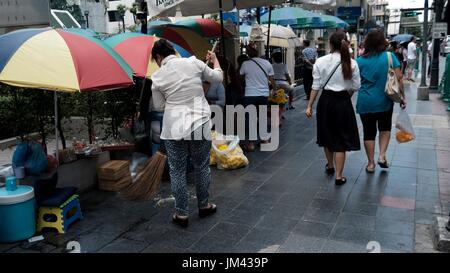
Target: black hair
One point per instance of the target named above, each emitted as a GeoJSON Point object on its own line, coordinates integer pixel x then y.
{"type": "Point", "coordinates": [307, 43]}
{"type": "Point", "coordinates": [375, 43]}
{"type": "Point", "coordinates": [163, 48]}
{"type": "Point", "coordinates": [277, 57]}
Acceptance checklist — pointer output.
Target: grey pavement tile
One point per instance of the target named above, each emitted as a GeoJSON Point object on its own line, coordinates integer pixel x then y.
{"type": "Point", "coordinates": [180, 238]}
{"type": "Point", "coordinates": [356, 220]}
{"type": "Point", "coordinates": [394, 242]}
{"type": "Point", "coordinates": [424, 218]}
{"type": "Point", "coordinates": [428, 196]}
{"type": "Point", "coordinates": [93, 242]}
{"type": "Point", "coordinates": [361, 208]}
{"type": "Point", "coordinates": [213, 244]}
{"type": "Point", "coordinates": [296, 199]}
{"type": "Point", "coordinates": [363, 197]}
{"type": "Point", "coordinates": [427, 177]}
{"type": "Point", "coordinates": [288, 211]}
{"type": "Point", "coordinates": [337, 193]}
{"type": "Point", "coordinates": [313, 229]}
{"type": "Point", "coordinates": [7, 246]}
{"type": "Point", "coordinates": [162, 247]}
{"type": "Point", "coordinates": [277, 222]}
{"type": "Point", "coordinates": [394, 227]}
{"type": "Point", "coordinates": [273, 187]}
{"type": "Point", "coordinates": [397, 214]}
{"type": "Point", "coordinates": [229, 230]}
{"type": "Point", "coordinates": [247, 247]}
{"type": "Point", "coordinates": [146, 232]}
{"type": "Point", "coordinates": [247, 218]}
{"type": "Point", "coordinates": [353, 235]}
{"type": "Point", "coordinates": [318, 215]}
{"type": "Point", "coordinates": [265, 236]}
{"type": "Point", "coordinates": [331, 246]}
{"type": "Point", "coordinates": [326, 204]}
{"type": "Point", "coordinates": [122, 245]}
{"type": "Point", "coordinates": [302, 244]}
{"type": "Point", "coordinates": [400, 192]}
{"type": "Point", "coordinates": [431, 207]}
{"type": "Point", "coordinates": [260, 198]}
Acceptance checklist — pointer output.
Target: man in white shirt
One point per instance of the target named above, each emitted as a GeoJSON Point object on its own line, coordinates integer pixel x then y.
{"type": "Point", "coordinates": [257, 73]}
{"type": "Point", "coordinates": [412, 57]}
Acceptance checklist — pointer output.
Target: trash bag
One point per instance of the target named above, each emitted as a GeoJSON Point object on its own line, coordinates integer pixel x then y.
{"type": "Point", "coordinates": [20, 155]}
{"type": "Point", "coordinates": [36, 162]}
{"type": "Point", "coordinates": [227, 152]}
{"type": "Point", "coordinates": [405, 131]}
{"type": "Point", "coordinates": [137, 163]}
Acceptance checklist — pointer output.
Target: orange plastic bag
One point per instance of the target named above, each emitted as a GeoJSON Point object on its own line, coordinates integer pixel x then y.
{"type": "Point", "coordinates": [405, 131]}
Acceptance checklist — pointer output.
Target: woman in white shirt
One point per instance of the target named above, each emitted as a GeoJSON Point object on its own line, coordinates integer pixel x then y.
{"type": "Point", "coordinates": [177, 87]}
{"type": "Point", "coordinates": [337, 75]}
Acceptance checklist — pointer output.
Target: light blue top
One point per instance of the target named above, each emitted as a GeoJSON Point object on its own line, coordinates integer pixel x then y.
{"type": "Point", "coordinates": [371, 96]}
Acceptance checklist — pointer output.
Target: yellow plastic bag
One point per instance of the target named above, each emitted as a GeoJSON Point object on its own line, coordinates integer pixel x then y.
{"type": "Point", "coordinates": [279, 98]}
{"type": "Point", "coordinates": [227, 153]}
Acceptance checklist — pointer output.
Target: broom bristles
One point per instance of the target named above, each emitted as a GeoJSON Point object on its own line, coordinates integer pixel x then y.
{"type": "Point", "coordinates": [148, 181]}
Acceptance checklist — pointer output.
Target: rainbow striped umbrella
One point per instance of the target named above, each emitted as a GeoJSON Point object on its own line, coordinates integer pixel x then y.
{"type": "Point", "coordinates": [59, 60]}
{"type": "Point", "coordinates": [136, 50]}
{"type": "Point", "coordinates": [204, 27]}
{"type": "Point", "coordinates": [185, 38]}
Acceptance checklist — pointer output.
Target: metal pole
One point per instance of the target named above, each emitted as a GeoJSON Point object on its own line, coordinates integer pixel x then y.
{"type": "Point", "coordinates": [422, 91]}
{"type": "Point", "coordinates": [222, 40]}
{"type": "Point", "coordinates": [434, 82]}
{"type": "Point", "coordinates": [424, 45]}
{"type": "Point", "coordinates": [268, 34]}
{"type": "Point", "coordinates": [55, 98]}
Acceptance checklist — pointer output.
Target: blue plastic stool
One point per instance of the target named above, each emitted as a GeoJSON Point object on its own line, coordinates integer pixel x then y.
{"type": "Point", "coordinates": [60, 217]}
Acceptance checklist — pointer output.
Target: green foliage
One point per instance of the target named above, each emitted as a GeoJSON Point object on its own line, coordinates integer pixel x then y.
{"type": "Point", "coordinates": [121, 10]}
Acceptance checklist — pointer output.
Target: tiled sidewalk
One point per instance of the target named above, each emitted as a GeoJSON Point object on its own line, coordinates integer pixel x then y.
{"type": "Point", "coordinates": [283, 202]}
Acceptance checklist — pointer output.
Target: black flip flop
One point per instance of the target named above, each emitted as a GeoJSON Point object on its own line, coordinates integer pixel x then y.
{"type": "Point", "coordinates": [329, 171]}
{"type": "Point", "coordinates": [383, 165]}
{"type": "Point", "coordinates": [340, 182]}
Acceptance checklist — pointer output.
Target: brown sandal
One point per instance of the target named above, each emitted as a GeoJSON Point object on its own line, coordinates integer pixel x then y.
{"type": "Point", "coordinates": [211, 209]}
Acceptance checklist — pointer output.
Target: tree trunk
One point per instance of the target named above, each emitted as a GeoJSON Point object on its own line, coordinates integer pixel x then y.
{"type": "Point", "coordinates": [60, 130]}
{"type": "Point", "coordinates": [90, 120]}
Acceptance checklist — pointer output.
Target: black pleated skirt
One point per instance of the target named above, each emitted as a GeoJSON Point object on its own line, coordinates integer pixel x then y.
{"type": "Point", "coordinates": [337, 128]}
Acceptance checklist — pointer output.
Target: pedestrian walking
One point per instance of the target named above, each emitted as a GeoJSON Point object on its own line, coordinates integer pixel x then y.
{"type": "Point", "coordinates": [412, 58]}
{"type": "Point", "coordinates": [373, 106]}
{"type": "Point", "coordinates": [337, 75]}
{"type": "Point", "coordinates": [257, 73]}
{"type": "Point", "coordinates": [282, 76]}
{"type": "Point", "coordinates": [404, 51]}
{"type": "Point", "coordinates": [309, 57]}
{"type": "Point", "coordinates": [186, 123]}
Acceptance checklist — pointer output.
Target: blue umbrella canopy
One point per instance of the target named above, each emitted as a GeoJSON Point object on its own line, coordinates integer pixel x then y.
{"type": "Point", "coordinates": [402, 38]}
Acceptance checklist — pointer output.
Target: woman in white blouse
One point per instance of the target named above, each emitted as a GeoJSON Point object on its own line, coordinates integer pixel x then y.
{"type": "Point", "coordinates": [337, 75]}
{"type": "Point", "coordinates": [177, 88]}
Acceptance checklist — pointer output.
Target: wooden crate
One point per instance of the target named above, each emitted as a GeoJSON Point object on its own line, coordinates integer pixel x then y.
{"type": "Point", "coordinates": [114, 170]}
{"type": "Point", "coordinates": [114, 185]}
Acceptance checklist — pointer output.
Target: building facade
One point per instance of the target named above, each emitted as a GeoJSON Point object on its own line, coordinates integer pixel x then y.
{"type": "Point", "coordinates": [102, 15]}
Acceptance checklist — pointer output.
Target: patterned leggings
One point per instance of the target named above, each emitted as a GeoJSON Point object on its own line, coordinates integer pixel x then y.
{"type": "Point", "coordinates": [178, 153]}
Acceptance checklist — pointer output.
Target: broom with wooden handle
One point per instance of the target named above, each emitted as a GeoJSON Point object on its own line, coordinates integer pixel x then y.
{"type": "Point", "coordinates": [148, 181]}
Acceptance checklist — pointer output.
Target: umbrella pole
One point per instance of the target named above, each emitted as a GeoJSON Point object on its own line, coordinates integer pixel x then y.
{"type": "Point", "coordinates": [268, 34]}
{"type": "Point", "coordinates": [55, 97]}
{"type": "Point", "coordinates": [222, 40]}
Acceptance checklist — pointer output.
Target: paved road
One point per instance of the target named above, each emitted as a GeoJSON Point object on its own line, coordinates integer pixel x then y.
{"type": "Point", "coordinates": [283, 202]}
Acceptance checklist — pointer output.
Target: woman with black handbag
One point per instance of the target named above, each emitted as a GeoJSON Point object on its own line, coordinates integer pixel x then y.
{"type": "Point", "coordinates": [337, 74]}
